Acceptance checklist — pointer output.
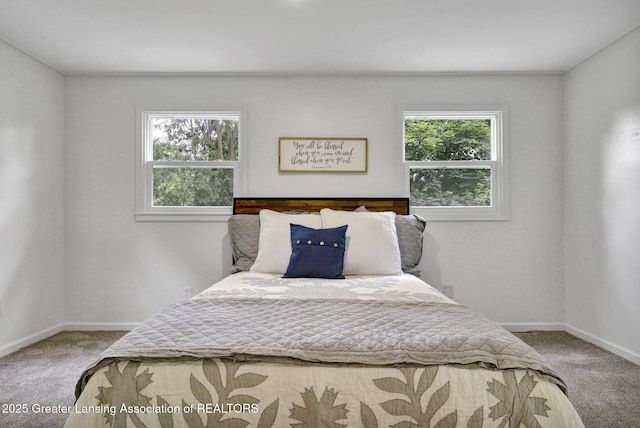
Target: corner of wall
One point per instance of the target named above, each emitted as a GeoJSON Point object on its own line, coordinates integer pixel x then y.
{"type": "Point", "coordinates": [31, 214]}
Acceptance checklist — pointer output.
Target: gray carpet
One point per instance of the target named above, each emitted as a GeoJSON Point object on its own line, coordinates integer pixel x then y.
{"type": "Point", "coordinates": [604, 388]}
{"type": "Point", "coordinates": [45, 373]}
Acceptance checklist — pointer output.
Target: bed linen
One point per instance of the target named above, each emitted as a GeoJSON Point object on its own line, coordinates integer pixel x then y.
{"type": "Point", "coordinates": [184, 386]}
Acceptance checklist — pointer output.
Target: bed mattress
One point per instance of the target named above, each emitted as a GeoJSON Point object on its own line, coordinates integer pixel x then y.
{"type": "Point", "coordinates": [260, 350]}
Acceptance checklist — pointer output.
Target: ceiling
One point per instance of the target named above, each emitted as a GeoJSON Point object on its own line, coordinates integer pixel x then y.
{"type": "Point", "coordinates": [314, 36]}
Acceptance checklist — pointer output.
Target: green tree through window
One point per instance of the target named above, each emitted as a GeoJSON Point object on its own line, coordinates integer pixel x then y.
{"type": "Point", "coordinates": [449, 160]}
{"type": "Point", "coordinates": [193, 161]}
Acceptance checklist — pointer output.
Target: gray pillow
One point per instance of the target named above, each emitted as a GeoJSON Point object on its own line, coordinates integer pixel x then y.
{"type": "Point", "coordinates": [410, 229]}
{"type": "Point", "coordinates": [244, 234]}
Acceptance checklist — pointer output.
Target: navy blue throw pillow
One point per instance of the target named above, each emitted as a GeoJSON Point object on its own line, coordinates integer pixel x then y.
{"type": "Point", "coordinates": [316, 253]}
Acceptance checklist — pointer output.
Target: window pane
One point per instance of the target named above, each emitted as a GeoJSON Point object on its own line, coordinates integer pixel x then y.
{"type": "Point", "coordinates": [447, 139]}
{"type": "Point", "coordinates": [194, 139]}
{"type": "Point", "coordinates": [450, 187]}
{"type": "Point", "coordinates": [197, 187]}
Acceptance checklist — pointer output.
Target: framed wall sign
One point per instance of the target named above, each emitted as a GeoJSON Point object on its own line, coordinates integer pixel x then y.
{"type": "Point", "coordinates": [322, 154]}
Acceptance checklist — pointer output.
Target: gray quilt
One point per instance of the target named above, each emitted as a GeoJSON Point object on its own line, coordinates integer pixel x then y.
{"type": "Point", "coordinates": [329, 331]}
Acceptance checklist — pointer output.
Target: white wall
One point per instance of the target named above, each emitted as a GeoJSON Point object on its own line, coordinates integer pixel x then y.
{"type": "Point", "coordinates": [602, 204]}
{"type": "Point", "coordinates": [120, 271]}
{"type": "Point", "coordinates": [568, 254]}
{"type": "Point", "coordinates": [31, 195]}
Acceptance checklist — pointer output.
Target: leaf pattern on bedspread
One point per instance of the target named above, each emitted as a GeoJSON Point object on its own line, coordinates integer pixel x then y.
{"type": "Point", "coordinates": [318, 413]}
{"type": "Point", "coordinates": [305, 288]}
{"type": "Point", "coordinates": [225, 385]}
{"type": "Point", "coordinates": [400, 397]}
{"type": "Point", "coordinates": [126, 388]}
{"type": "Point", "coordinates": [165, 419]}
{"type": "Point", "coordinates": [367, 416]}
{"type": "Point", "coordinates": [514, 401]}
{"type": "Point", "coordinates": [476, 420]}
{"type": "Point", "coordinates": [411, 406]}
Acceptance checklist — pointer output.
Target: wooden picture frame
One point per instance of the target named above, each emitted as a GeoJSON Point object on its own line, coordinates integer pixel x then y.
{"type": "Point", "coordinates": [322, 154]}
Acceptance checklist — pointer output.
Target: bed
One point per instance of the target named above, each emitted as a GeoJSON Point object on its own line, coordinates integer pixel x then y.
{"type": "Point", "coordinates": [324, 322]}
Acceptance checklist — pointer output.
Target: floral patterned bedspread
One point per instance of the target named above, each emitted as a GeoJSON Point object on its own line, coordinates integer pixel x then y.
{"type": "Point", "coordinates": [404, 287]}
{"type": "Point", "coordinates": [221, 392]}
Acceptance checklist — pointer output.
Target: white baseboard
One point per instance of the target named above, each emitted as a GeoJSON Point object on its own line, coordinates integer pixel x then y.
{"type": "Point", "coordinates": [605, 344]}
{"type": "Point", "coordinates": [519, 327]}
{"type": "Point", "coordinates": [74, 326]}
{"type": "Point", "coordinates": [32, 338]}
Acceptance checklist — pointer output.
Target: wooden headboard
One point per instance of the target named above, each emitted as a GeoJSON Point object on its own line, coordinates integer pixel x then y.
{"type": "Point", "coordinates": [254, 205]}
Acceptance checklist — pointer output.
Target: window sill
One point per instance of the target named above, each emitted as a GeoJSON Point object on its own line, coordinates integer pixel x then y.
{"type": "Point", "coordinates": [218, 217]}
{"type": "Point", "coordinates": [460, 214]}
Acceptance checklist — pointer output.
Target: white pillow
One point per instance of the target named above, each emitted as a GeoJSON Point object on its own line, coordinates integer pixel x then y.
{"type": "Point", "coordinates": [274, 245]}
{"type": "Point", "coordinates": [372, 241]}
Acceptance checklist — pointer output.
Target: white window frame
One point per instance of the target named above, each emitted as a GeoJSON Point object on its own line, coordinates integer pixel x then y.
{"type": "Point", "coordinates": [145, 210]}
{"type": "Point", "coordinates": [498, 210]}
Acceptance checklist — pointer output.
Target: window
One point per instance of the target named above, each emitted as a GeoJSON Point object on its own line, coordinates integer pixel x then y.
{"type": "Point", "coordinates": [188, 165]}
{"type": "Point", "coordinates": [455, 163]}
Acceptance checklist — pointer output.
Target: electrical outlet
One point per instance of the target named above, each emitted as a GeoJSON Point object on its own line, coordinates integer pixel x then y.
{"type": "Point", "coordinates": [188, 291]}
{"type": "Point", "coordinates": [447, 290]}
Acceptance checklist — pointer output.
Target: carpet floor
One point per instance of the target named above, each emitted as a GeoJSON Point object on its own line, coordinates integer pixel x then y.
{"type": "Point", "coordinates": [604, 388]}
